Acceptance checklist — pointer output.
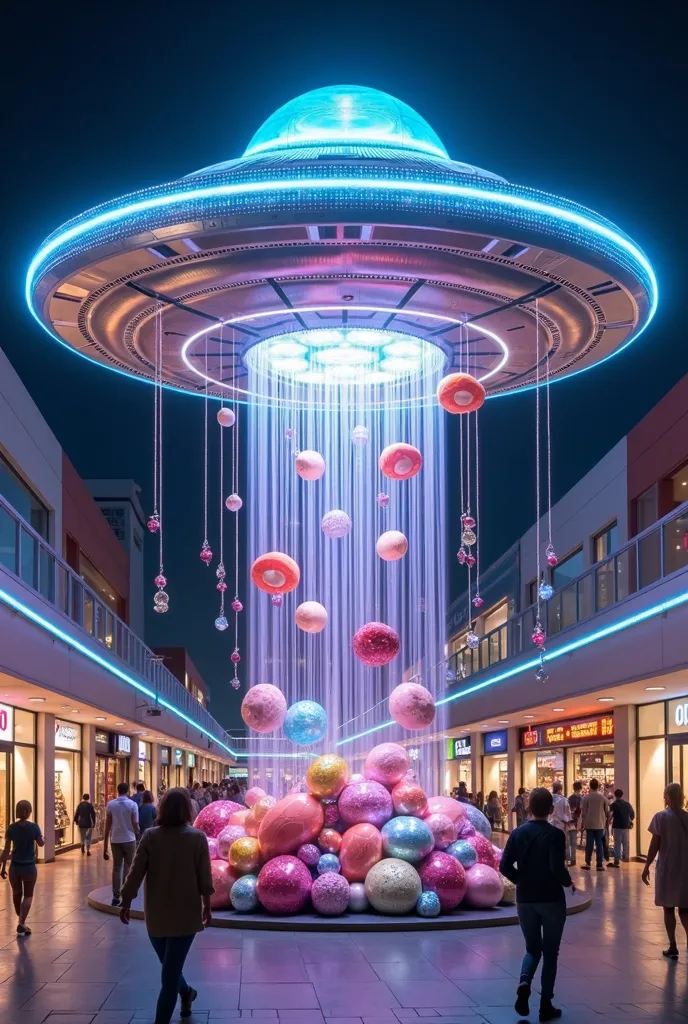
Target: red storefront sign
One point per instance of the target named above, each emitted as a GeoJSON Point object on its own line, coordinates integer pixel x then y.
{"type": "Point", "coordinates": [560, 734]}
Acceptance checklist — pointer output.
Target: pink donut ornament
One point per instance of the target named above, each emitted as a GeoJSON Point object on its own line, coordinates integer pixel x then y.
{"type": "Point", "coordinates": [400, 461]}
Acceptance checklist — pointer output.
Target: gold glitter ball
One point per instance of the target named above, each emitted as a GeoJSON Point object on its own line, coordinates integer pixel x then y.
{"type": "Point", "coordinates": [244, 855]}
{"type": "Point", "coordinates": [327, 776]}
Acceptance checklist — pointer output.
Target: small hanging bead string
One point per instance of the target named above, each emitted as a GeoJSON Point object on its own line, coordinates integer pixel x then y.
{"type": "Point", "coordinates": [477, 510]}
{"type": "Point", "coordinates": [205, 451]}
{"type": "Point", "coordinates": [549, 458]}
{"type": "Point", "coordinates": [155, 425]}
{"type": "Point", "coordinates": [159, 388]}
{"type": "Point", "coordinates": [220, 571]}
{"type": "Point", "coordinates": [537, 453]}
{"type": "Point", "coordinates": [235, 490]}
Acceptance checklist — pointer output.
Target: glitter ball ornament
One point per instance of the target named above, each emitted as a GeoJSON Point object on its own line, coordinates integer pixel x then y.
{"type": "Point", "coordinates": [253, 795]}
{"type": "Point", "coordinates": [407, 838]}
{"type": "Point", "coordinates": [237, 606]}
{"type": "Point", "coordinates": [538, 637]}
{"type": "Point", "coordinates": [461, 556]}
{"type": "Point", "coordinates": [275, 573]}
{"type": "Point", "coordinates": [234, 657]}
{"type": "Point", "coordinates": [358, 901]}
{"type": "Point", "coordinates": [453, 809]}
{"type": "Point", "coordinates": [310, 465]}
{"type": "Point", "coordinates": [545, 591]}
{"type": "Point", "coordinates": [331, 815]}
{"type": "Point", "coordinates": [160, 581]}
{"type": "Point", "coordinates": [226, 417]}
{"type": "Point", "coordinates": [387, 763]}
{"type": "Point", "coordinates": [235, 684]}
{"type": "Point", "coordinates": [311, 617]}
{"type": "Point", "coordinates": [409, 798]}
{"type": "Point", "coordinates": [359, 436]}
{"type": "Point", "coordinates": [478, 601]}
{"type": "Point", "coordinates": [468, 538]}
{"type": "Point", "coordinates": [243, 894]}
{"type": "Point", "coordinates": [327, 776]}
{"type": "Point", "coordinates": [153, 523]}
{"type": "Point", "coordinates": [284, 885]}
{"type": "Point", "coordinates": [227, 836]}
{"type": "Point", "coordinates": [213, 849]}
{"type": "Point", "coordinates": [206, 555]}
{"type": "Point", "coordinates": [391, 545]}
{"type": "Point", "coordinates": [294, 820]}
{"type": "Point", "coordinates": [335, 523]}
{"type": "Point", "coordinates": [428, 905]}
{"type": "Point", "coordinates": [221, 586]}
{"type": "Point", "coordinates": [361, 848]}
{"type": "Point", "coordinates": [216, 816]}
{"type": "Point", "coordinates": [464, 852]}
{"type": "Point", "coordinates": [478, 820]}
{"type": "Point", "coordinates": [263, 708]}
{"type": "Point", "coordinates": [473, 640]}
{"type": "Point", "coordinates": [161, 602]}
{"type": "Point", "coordinates": [485, 887]}
{"type": "Point", "coordinates": [289, 433]}
{"type": "Point", "coordinates": [464, 829]}
{"type": "Point", "coordinates": [328, 862]}
{"type": "Point", "coordinates": [310, 854]}
{"type": "Point", "coordinates": [257, 813]}
{"type": "Point", "coordinates": [244, 855]}
{"type": "Point", "coordinates": [467, 522]}
{"type": "Point", "coordinates": [412, 706]}
{"type": "Point", "coordinates": [470, 560]}
{"type": "Point", "coordinates": [221, 623]}
{"type": "Point", "coordinates": [443, 829]}
{"type": "Point", "coordinates": [305, 723]}
{"type": "Point", "coordinates": [443, 874]}
{"type": "Point", "coordinates": [233, 502]}
{"type": "Point", "coordinates": [365, 802]}
{"type": "Point", "coordinates": [330, 894]}
{"type": "Point", "coordinates": [223, 879]}
{"type": "Point", "coordinates": [460, 393]}
{"type": "Point", "coordinates": [483, 849]}
{"type": "Point", "coordinates": [277, 600]}
{"type": "Point", "coordinates": [551, 556]}
{"type": "Point", "coordinates": [376, 644]}
{"type": "Point", "coordinates": [393, 886]}
{"type": "Point", "coordinates": [383, 499]}
{"type": "Point", "coordinates": [400, 461]}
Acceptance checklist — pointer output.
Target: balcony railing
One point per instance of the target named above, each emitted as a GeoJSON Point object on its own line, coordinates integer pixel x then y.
{"type": "Point", "coordinates": [28, 557]}
{"type": "Point", "coordinates": [651, 556]}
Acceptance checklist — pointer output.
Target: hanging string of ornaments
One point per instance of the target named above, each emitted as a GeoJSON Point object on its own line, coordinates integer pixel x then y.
{"type": "Point", "coordinates": [545, 590]}
{"type": "Point", "coordinates": [161, 599]}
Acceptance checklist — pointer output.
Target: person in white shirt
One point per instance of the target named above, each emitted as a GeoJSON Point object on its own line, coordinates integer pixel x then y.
{"type": "Point", "coordinates": [561, 812]}
{"type": "Point", "coordinates": [121, 828]}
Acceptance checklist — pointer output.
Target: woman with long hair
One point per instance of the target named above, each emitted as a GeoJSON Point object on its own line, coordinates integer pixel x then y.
{"type": "Point", "coordinates": [23, 836]}
{"type": "Point", "coordinates": [669, 845]}
{"type": "Point", "coordinates": [174, 859]}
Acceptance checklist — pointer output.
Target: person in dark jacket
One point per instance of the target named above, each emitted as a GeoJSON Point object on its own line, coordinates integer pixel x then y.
{"type": "Point", "coordinates": [85, 821]}
{"type": "Point", "coordinates": [622, 816]}
{"type": "Point", "coordinates": [147, 812]}
{"type": "Point", "coordinates": [534, 859]}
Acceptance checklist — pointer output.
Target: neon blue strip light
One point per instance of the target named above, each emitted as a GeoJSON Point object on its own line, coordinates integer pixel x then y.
{"type": "Point", "coordinates": [574, 645]}
{"type": "Point", "coordinates": [358, 184]}
{"type": "Point", "coordinates": [76, 645]}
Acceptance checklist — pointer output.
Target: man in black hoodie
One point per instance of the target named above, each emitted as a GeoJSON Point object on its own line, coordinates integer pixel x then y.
{"type": "Point", "coordinates": [534, 859]}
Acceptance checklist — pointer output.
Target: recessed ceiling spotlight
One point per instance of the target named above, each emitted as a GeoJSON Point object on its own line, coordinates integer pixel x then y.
{"type": "Point", "coordinates": [653, 688]}
{"type": "Point", "coordinates": [606, 700]}
{"type": "Point", "coordinates": [558, 709]}
{"type": "Point", "coordinates": [37, 700]}
{"type": "Point", "coordinates": [529, 716]}
{"type": "Point", "coordinates": [119, 723]}
{"type": "Point", "coordinates": [100, 718]}
{"type": "Point", "coordinates": [503, 721]}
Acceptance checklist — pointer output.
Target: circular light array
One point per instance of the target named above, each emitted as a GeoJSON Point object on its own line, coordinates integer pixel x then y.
{"type": "Point", "coordinates": [346, 355]}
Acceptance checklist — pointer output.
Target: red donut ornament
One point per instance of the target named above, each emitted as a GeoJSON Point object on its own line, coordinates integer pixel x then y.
{"type": "Point", "coordinates": [275, 573]}
{"type": "Point", "coordinates": [460, 392]}
{"type": "Point", "coordinates": [400, 461]}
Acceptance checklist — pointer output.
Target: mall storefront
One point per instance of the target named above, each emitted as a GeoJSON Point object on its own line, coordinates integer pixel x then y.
{"type": "Point", "coordinates": [457, 768]}
{"type": "Point", "coordinates": [67, 776]}
{"type": "Point", "coordinates": [576, 750]}
{"type": "Point", "coordinates": [113, 751]}
{"type": "Point", "coordinates": [662, 757]}
{"type": "Point", "coordinates": [17, 762]}
{"type": "Point", "coordinates": [496, 770]}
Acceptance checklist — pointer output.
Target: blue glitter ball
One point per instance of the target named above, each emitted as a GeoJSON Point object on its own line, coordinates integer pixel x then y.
{"type": "Point", "coordinates": [463, 852]}
{"type": "Point", "coordinates": [328, 862]}
{"type": "Point", "coordinates": [407, 838]}
{"type": "Point", "coordinates": [243, 894]}
{"type": "Point", "coordinates": [478, 820]}
{"type": "Point", "coordinates": [305, 723]}
{"type": "Point", "coordinates": [545, 591]}
{"type": "Point", "coordinates": [221, 623]}
{"type": "Point", "coordinates": [428, 905]}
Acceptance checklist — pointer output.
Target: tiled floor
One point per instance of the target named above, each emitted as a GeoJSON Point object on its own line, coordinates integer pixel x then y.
{"type": "Point", "coordinates": [81, 967]}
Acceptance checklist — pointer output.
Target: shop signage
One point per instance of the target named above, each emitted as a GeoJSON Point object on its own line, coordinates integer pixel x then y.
{"type": "Point", "coordinates": [67, 735]}
{"type": "Point", "coordinates": [164, 755]}
{"type": "Point", "coordinates": [495, 742]}
{"type": "Point", "coordinates": [678, 715]}
{"type": "Point", "coordinates": [142, 750]}
{"type": "Point", "coordinates": [461, 746]}
{"type": "Point", "coordinates": [6, 723]}
{"type": "Point", "coordinates": [102, 739]}
{"type": "Point", "coordinates": [179, 758]}
{"type": "Point", "coordinates": [191, 760]}
{"type": "Point", "coordinates": [582, 730]}
{"type": "Point", "coordinates": [121, 744]}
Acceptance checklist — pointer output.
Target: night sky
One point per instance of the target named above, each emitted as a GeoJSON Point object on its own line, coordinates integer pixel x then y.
{"type": "Point", "coordinates": [578, 99]}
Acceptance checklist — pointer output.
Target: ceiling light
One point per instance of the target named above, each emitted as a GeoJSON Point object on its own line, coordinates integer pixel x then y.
{"type": "Point", "coordinates": [529, 716]}
{"type": "Point", "coordinates": [399, 366]}
{"type": "Point", "coordinates": [75, 711]}
{"type": "Point", "coordinates": [344, 355]}
{"type": "Point", "coordinates": [651, 689]}
{"type": "Point", "coordinates": [289, 365]}
{"type": "Point", "coordinates": [606, 700]}
{"type": "Point", "coordinates": [100, 718]}
{"type": "Point", "coordinates": [288, 348]}
{"type": "Point", "coordinates": [37, 700]}
{"type": "Point", "coordinates": [403, 349]}
{"type": "Point", "coordinates": [503, 721]}
{"type": "Point", "coordinates": [119, 723]}
{"type": "Point", "coordinates": [558, 709]}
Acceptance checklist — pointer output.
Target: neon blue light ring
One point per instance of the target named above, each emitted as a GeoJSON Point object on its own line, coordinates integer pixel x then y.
{"type": "Point", "coordinates": [506, 200]}
{"type": "Point", "coordinates": [574, 645]}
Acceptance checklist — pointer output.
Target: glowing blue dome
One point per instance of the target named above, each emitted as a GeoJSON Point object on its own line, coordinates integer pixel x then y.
{"type": "Point", "coordinates": [346, 114]}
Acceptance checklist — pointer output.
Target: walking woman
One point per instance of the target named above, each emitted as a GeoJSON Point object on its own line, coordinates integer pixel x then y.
{"type": "Point", "coordinates": [147, 812]}
{"type": "Point", "coordinates": [669, 845]}
{"type": "Point", "coordinates": [173, 858]}
{"type": "Point", "coordinates": [23, 836]}
{"type": "Point", "coordinates": [85, 820]}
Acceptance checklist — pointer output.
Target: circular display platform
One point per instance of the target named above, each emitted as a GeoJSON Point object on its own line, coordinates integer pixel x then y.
{"type": "Point", "coordinates": [100, 899]}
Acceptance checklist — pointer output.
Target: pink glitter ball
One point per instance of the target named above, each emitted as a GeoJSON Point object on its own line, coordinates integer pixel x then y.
{"type": "Point", "coordinates": [331, 815]}
{"type": "Point", "coordinates": [386, 763]}
{"type": "Point", "coordinates": [538, 637]}
{"type": "Point", "coordinates": [235, 657]}
{"type": "Point", "coordinates": [206, 555]}
{"type": "Point", "coordinates": [233, 502]}
{"type": "Point", "coordinates": [497, 856]}
{"type": "Point", "coordinates": [462, 556]}
{"type": "Point", "coordinates": [467, 522]}
{"type": "Point", "coordinates": [277, 600]}
{"type": "Point", "coordinates": [551, 557]}
{"type": "Point", "coordinates": [409, 799]}
{"type": "Point", "coordinates": [464, 829]}
{"type": "Point", "coordinates": [336, 523]}
{"type": "Point", "coordinates": [446, 805]}
{"type": "Point", "coordinates": [227, 837]}
{"type": "Point", "coordinates": [263, 708]}
{"type": "Point", "coordinates": [223, 880]}
{"type": "Point", "coordinates": [383, 499]}
{"type": "Point", "coordinates": [412, 706]}
{"type": "Point", "coordinates": [160, 581]}
{"type": "Point", "coordinates": [441, 873]}
{"type": "Point", "coordinates": [483, 847]}
{"type": "Point", "coordinates": [215, 817]}
{"type": "Point", "coordinates": [442, 828]}
{"type": "Point", "coordinates": [284, 885]}
{"type": "Point", "coordinates": [237, 606]}
{"type": "Point", "coordinates": [376, 644]}
{"type": "Point", "coordinates": [310, 465]}
{"type": "Point", "coordinates": [153, 523]}
{"type": "Point", "coordinates": [221, 586]}
{"type": "Point", "coordinates": [484, 886]}
{"type": "Point", "coordinates": [330, 894]}
{"type": "Point", "coordinates": [470, 560]}
{"type": "Point", "coordinates": [310, 854]}
{"type": "Point", "coordinates": [365, 802]}
{"type": "Point", "coordinates": [478, 601]}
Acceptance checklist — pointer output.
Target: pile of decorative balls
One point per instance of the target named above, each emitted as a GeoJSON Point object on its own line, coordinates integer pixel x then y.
{"type": "Point", "coordinates": [370, 842]}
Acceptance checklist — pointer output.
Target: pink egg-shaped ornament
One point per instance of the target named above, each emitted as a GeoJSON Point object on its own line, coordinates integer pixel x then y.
{"type": "Point", "coordinates": [365, 802]}
{"type": "Point", "coordinates": [330, 894]}
{"type": "Point", "coordinates": [442, 828]}
{"type": "Point", "coordinates": [310, 465]}
{"type": "Point", "coordinates": [253, 795]}
{"type": "Point", "coordinates": [400, 461]}
{"type": "Point", "coordinates": [284, 885]}
{"type": "Point", "coordinates": [239, 817]}
{"type": "Point", "coordinates": [329, 840]}
{"type": "Point", "coordinates": [263, 708]}
{"type": "Point", "coordinates": [376, 644]}
{"type": "Point", "coordinates": [226, 417]}
{"type": "Point", "coordinates": [485, 887]}
{"type": "Point", "coordinates": [214, 848]}
{"type": "Point", "coordinates": [361, 848]}
{"type": "Point", "coordinates": [233, 502]}
{"type": "Point", "coordinates": [293, 821]}
{"type": "Point", "coordinates": [227, 837]}
{"type": "Point", "coordinates": [391, 545]}
{"type": "Point", "coordinates": [386, 763]}
{"type": "Point", "coordinates": [223, 880]}
{"type": "Point", "coordinates": [441, 873]}
{"type": "Point", "coordinates": [257, 813]}
{"type": "Point", "coordinates": [409, 799]}
{"type": "Point", "coordinates": [464, 829]}
{"type": "Point", "coordinates": [310, 854]}
{"type": "Point", "coordinates": [446, 805]}
{"type": "Point", "coordinates": [412, 706]}
{"type": "Point", "coordinates": [483, 847]}
{"type": "Point", "coordinates": [213, 818]}
{"type": "Point", "coordinates": [311, 617]}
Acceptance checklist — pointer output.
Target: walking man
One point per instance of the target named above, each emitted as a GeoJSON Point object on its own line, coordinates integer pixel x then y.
{"type": "Point", "coordinates": [534, 859]}
{"type": "Point", "coordinates": [575, 801]}
{"type": "Point", "coordinates": [121, 828]}
{"type": "Point", "coordinates": [561, 811]}
{"type": "Point", "coordinates": [520, 808]}
{"type": "Point", "coordinates": [594, 813]}
{"type": "Point", "coordinates": [622, 817]}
